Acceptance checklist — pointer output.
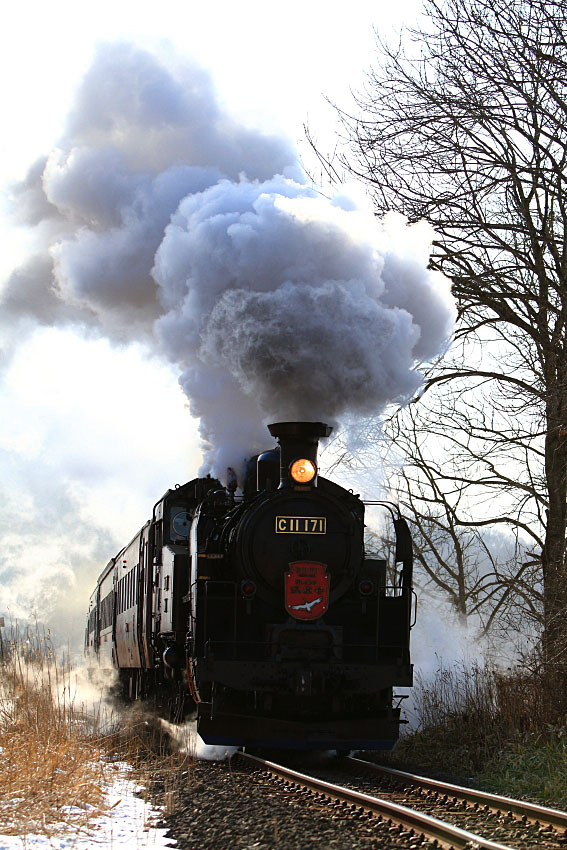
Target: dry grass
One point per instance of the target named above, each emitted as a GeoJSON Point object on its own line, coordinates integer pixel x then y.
{"type": "Point", "coordinates": [156, 762]}
{"type": "Point", "coordinates": [496, 702]}
{"type": "Point", "coordinates": [52, 771]}
{"type": "Point", "coordinates": [56, 757]}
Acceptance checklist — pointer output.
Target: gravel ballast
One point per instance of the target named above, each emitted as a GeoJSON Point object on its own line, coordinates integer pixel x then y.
{"type": "Point", "coordinates": [222, 804]}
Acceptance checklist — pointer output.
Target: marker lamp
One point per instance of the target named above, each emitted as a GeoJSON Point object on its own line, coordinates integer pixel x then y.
{"type": "Point", "coordinates": [247, 589]}
{"type": "Point", "coordinates": [303, 471]}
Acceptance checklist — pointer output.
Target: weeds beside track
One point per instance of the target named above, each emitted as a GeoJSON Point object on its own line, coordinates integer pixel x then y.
{"type": "Point", "coordinates": [496, 729]}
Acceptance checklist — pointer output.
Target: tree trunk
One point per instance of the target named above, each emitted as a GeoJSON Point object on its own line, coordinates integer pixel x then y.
{"type": "Point", "coordinates": [553, 556]}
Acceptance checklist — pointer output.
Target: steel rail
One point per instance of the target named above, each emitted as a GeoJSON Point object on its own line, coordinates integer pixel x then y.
{"type": "Point", "coordinates": [448, 836]}
{"type": "Point", "coordinates": [532, 812]}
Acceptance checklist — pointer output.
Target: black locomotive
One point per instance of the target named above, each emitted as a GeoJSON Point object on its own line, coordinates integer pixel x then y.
{"type": "Point", "coordinates": [263, 612]}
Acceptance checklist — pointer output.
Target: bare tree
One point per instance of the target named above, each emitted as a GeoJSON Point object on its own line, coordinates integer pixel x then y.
{"type": "Point", "coordinates": [484, 572]}
{"type": "Point", "coordinates": [466, 126]}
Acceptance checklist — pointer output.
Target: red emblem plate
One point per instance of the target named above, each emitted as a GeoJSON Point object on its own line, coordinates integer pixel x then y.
{"type": "Point", "coordinates": [306, 590]}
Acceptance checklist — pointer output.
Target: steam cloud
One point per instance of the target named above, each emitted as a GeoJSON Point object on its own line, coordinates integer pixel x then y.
{"type": "Point", "coordinates": [159, 218]}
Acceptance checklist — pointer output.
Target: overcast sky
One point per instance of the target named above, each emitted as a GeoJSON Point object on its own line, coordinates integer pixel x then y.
{"type": "Point", "coordinates": [91, 434]}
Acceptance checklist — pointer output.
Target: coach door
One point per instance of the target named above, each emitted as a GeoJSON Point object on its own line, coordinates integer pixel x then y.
{"type": "Point", "coordinates": [145, 588]}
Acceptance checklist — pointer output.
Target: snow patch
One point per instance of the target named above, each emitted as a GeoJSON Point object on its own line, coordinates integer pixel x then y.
{"type": "Point", "coordinates": [128, 825]}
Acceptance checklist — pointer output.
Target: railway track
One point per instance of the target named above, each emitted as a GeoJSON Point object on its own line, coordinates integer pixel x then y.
{"type": "Point", "coordinates": [521, 810]}
{"type": "Point", "coordinates": [523, 826]}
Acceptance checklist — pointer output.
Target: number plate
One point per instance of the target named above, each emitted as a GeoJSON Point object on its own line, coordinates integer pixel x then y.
{"type": "Point", "coordinates": [301, 525]}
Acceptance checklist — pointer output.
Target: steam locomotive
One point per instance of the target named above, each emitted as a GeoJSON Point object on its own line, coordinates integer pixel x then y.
{"type": "Point", "coordinates": [263, 612]}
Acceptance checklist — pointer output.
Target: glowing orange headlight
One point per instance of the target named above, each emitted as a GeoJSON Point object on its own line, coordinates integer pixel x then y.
{"type": "Point", "coordinates": [303, 471]}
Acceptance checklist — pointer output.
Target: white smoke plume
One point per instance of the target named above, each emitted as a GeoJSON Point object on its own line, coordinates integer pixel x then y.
{"type": "Point", "coordinates": [158, 217]}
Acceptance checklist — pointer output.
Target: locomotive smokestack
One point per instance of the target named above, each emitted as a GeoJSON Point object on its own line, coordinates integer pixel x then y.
{"type": "Point", "coordinates": [298, 441]}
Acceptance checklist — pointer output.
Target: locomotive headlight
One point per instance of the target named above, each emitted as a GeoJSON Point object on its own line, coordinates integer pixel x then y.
{"type": "Point", "coordinates": [303, 471]}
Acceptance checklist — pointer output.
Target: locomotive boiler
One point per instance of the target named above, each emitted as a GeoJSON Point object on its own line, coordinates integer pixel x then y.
{"type": "Point", "coordinates": [262, 612]}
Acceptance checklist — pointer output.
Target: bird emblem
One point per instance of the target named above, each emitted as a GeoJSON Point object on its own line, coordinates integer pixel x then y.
{"type": "Point", "coordinates": [307, 606]}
